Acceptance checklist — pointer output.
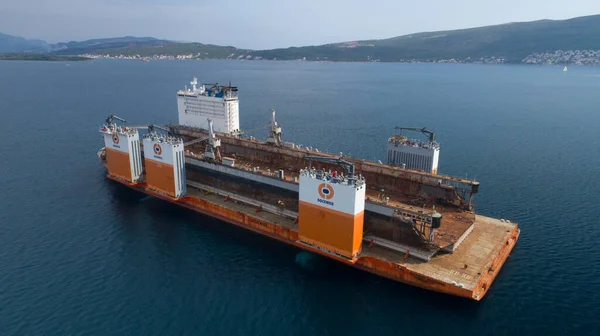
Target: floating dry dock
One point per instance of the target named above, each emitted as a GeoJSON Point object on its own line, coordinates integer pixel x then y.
{"type": "Point", "coordinates": [401, 220]}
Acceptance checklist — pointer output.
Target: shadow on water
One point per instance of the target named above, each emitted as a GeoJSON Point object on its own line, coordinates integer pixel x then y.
{"type": "Point", "coordinates": [310, 261]}
{"type": "Point", "coordinates": [361, 300]}
{"type": "Point", "coordinates": [123, 194]}
{"type": "Point", "coordinates": [167, 219]}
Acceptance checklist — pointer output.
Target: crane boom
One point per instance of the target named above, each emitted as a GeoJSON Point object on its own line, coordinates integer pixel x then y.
{"type": "Point", "coordinates": [151, 128]}
{"type": "Point", "coordinates": [348, 166]}
{"type": "Point", "coordinates": [430, 134]}
{"type": "Point", "coordinates": [111, 118]}
{"type": "Point", "coordinates": [195, 141]}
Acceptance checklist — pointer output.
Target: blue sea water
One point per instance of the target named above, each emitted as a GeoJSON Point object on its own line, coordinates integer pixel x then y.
{"type": "Point", "coordinates": [80, 255]}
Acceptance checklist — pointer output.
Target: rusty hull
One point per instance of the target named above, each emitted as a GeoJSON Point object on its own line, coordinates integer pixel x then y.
{"type": "Point", "coordinates": [468, 272]}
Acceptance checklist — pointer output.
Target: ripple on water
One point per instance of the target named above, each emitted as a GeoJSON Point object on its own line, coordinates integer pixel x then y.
{"type": "Point", "coordinates": [81, 255]}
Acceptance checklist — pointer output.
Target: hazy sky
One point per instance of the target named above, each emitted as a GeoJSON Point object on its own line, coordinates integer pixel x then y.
{"type": "Point", "coordinates": [261, 24]}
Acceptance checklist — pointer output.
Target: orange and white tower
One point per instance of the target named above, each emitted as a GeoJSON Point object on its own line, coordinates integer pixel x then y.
{"type": "Point", "coordinates": [165, 164]}
{"type": "Point", "coordinates": [123, 155]}
{"type": "Point", "coordinates": [331, 212]}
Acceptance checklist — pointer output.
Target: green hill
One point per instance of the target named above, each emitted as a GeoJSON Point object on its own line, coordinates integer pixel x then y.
{"type": "Point", "coordinates": [40, 57]}
{"type": "Point", "coordinates": [15, 44]}
{"type": "Point", "coordinates": [578, 38]}
{"type": "Point", "coordinates": [144, 47]}
{"type": "Point", "coordinates": [512, 41]}
{"type": "Point", "coordinates": [107, 45]}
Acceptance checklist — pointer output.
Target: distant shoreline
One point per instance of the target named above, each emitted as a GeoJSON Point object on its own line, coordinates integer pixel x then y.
{"type": "Point", "coordinates": [172, 58]}
{"type": "Point", "coordinates": [41, 57]}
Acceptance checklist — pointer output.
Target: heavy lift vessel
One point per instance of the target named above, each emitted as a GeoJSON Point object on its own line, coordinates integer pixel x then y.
{"type": "Point", "coordinates": [401, 220]}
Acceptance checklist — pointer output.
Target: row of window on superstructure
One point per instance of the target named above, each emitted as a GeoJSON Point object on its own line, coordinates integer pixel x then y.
{"type": "Point", "coordinates": [412, 161]}
{"type": "Point", "coordinates": [200, 108]}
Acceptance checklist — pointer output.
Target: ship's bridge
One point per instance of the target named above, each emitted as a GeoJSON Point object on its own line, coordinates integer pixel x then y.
{"type": "Point", "coordinates": [209, 90]}
{"type": "Point", "coordinates": [209, 101]}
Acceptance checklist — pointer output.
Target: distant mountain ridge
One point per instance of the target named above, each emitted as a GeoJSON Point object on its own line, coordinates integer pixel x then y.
{"type": "Point", "coordinates": [544, 41]}
{"type": "Point", "coordinates": [107, 44]}
{"type": "Point", "coordinates": [15, 44]}
{"type": "Point", "coordinates": [511, 42]}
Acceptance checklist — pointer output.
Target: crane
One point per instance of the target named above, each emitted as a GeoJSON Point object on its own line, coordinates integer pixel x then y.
{"type": "Point", "coordinates": [348, 166]}
{"type": "Point", "coordinates": [430, 134]}
{"type": "Point", "coordinates": [275, 132]}
{"type": "Point", "coordinates": [111, 118]}
{"type": "Point", "coordinates": [152, 127]}
{"type": "Point", "coordinates": [212, 152]}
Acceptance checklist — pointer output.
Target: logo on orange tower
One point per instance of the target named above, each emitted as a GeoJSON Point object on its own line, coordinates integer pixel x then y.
{"type": "Point", "coordinates": [157, 149]}
{"type": "Point", "coordinates": [115, 139]}
{"type": "Point", "coordinates": [326, 191]}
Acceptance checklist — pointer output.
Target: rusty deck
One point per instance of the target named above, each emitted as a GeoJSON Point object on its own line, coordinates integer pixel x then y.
{"type": "Point", "coordinates": [468, 272]}
{"type": "Point", "coordinates": [454, 226]}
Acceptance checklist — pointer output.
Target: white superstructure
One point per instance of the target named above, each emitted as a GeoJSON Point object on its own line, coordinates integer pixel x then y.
{"type": "Point", "coordinates": [413, 154]}
{"type": "Point", "coordinates": [219, 103]}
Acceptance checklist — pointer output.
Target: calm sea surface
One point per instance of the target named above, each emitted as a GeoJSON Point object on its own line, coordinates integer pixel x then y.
{"type": "Point", "coordinates": [81, 255]}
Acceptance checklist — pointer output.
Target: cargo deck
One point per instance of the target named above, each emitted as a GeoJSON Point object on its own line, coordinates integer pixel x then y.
{"type": "Point", "coordinates": [467, 272]}
{"type": "Point", "coordinates": [402, 220]}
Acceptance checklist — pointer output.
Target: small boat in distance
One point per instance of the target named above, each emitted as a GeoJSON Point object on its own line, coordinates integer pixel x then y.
{"type": "Point", "coordinates": [565, 69]}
